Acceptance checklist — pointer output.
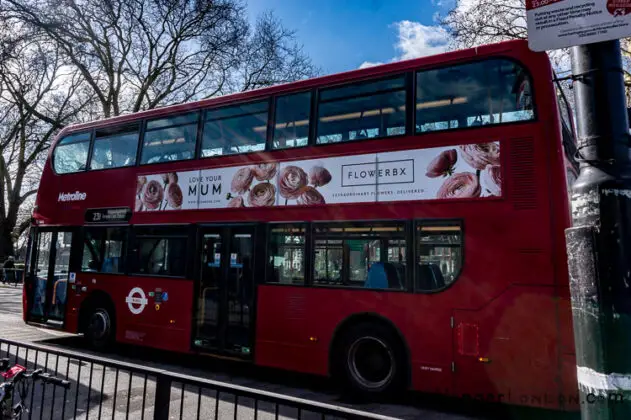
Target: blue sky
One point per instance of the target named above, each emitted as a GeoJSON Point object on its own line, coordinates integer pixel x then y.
{"type": "Point", "coordinates": [342, 35]}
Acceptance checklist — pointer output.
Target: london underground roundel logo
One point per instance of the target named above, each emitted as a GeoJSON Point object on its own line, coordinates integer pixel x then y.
{"type": "Point", "coordinates": [136, 300]}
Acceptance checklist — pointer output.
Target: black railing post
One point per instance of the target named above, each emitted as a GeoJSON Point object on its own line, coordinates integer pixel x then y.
{"type": "Point", "coordinates": [163, 397]}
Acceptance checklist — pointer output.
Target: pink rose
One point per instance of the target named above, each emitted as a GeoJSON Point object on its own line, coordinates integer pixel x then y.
{"type": "Point", "coordinates": [481, 155]}
{"type": "Point", "coordinates": [138, 206]}
{"type": "Point", "coordinates": [443, 164]}
{"type": "Point", "coordinates": [154, 193]}
{"type": "Point", "coordinates": [140, 182]}
{"type": "Point", "coordinates": [460, 185]}
{"type": "Point", "coordinates": [292, 180]}
{"type": "Point", "coordinates": [319, 176]}
{"type": "Point", "coordinates": [265, 171]}
{"type": "Point", "coordinates": [491, 180]}
{"type": "Point", "coordinates": [242, 180]}
{"type": "Point", "coordinates": [236, 202]}
{"type": "Point", "coordinates": [310, 196]}
{"type": "Point", "coordinates": [262, 195]}
{"type": "Point", "coordinates": [172, 178]}
{"type": "Point", "coordinates": [174, 196]}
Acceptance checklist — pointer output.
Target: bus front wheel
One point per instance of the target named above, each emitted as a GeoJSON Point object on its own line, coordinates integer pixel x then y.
{"type": "Point", "coordinates": [371, 359]}
{"type": "Point", "coordinates": [99, 331]}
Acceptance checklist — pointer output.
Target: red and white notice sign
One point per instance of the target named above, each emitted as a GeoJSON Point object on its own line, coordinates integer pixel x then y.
{"type": "Point", "coordinates": [554, 24]}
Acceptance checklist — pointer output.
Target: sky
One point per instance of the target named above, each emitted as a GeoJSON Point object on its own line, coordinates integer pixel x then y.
{"type": "Point", "coordinates": [341, 35]}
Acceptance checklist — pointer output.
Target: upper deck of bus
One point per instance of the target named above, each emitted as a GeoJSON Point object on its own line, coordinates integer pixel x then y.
{"type": "Point", "coordinates": [536, 68]}
{"type": "Point", "coordinates": [535, 62]}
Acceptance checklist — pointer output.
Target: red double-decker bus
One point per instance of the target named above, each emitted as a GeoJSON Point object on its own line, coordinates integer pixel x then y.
{"type": "Point", "coordinates": [396, 226]}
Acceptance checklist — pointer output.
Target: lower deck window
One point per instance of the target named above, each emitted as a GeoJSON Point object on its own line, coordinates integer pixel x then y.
{"type": "Point", "coordinates": [160, 252]}
{"type": "Point", "coordinates": [286, 254]}
{"type": "Point", "coordinates": [439, 256]}
{"type": "Point", "coordinates": [104, 250]}
{"type": "Point", "coordinates": [370, 255]}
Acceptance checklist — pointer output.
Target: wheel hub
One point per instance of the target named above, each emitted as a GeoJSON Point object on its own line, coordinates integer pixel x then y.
{"type": "Point", "coordinates": [99, 324]}
{"type": "Point", "coordinates": [371, 362]}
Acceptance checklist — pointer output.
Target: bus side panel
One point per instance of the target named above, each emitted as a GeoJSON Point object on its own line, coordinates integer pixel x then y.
{"type": "Point", "coordinates": [295, 328]}
{"type": "Point", "coordinates": [160, 323]}
{"type": "Point", "coordinates": [509, 350]}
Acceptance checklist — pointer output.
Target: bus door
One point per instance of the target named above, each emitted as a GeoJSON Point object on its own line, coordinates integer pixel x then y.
{"type": "Point", "coordinates": [51, 260]}
{"type": "Point", "coordinates": [225, 290]}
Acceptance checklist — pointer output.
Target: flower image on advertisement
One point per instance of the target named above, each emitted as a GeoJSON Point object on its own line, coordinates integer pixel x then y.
{"type": "Point", "coordinates": [443, 164]}
{"type": "Point", "coordinates": [491, 180]}
{"type": "Point", "coordinates": [319, 176]}
{"type": "Point", "coordinates": [242, 180]}
{"type": "Point", "coordinates": [478, 156]}
{"type": "Point", "coordinates": [236, 202]}
{"type": "Point", "coordinates": [154, 193]}
{"type": "Point", "coordinates": [310, 196]}
{"type": "Point", "coordinates": [460, 185]}
{"type": "Point", "coordinates": [141, 181]}
{"type": "Point", "coordinates": [292, 180]}
{"type": "Point", "coordinates": [174, 196]}
{"type": "Point", "coordinates": [138, 206]}
{"type": "Point", "coordinates": [265, 171]}
{"type": "Point", "coordinates": [262, 195]}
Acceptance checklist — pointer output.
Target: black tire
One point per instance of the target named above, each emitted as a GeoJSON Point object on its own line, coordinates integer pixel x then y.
{"type": "Point", "coordinates": [370, 360]}
{"type": "Point", "coordinates": [100, 326]}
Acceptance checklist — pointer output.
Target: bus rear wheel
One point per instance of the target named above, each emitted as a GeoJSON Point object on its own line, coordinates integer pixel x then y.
{"type": "Point", "coordinates": [371, 360]}
{"type": "Point", "coordinates": [99, 327]}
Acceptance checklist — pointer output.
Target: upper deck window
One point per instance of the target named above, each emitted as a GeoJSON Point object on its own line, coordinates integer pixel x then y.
{"type": "Point", "coordinates": [115, 148]}
{"type": "Point", "coordinates": [490, 92]}
{"type": "Point", "coordinates": [170, 139]}
{"type": "Point", "coordinates": [235, 129]}
{"type": "Point", "coordinates": [360, 111]}
{"type": "Point", "coordinates": [291, 120]}
{"type": "Point", "coordinates": [71, 153]}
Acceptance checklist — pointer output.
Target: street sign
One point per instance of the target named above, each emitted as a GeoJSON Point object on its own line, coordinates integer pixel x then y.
{"type": "Point", "coordinates": [554, 24]}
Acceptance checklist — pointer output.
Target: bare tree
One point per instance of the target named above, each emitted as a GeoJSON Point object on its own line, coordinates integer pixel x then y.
{"type": "Point", "coordinates": [37, 97]}
{"type": "Point", "coordinates": [478, 22]}
{"type": "Point", "coordinates": [74, 60]}
{"type": "Point", "coordinates": [140, 54]}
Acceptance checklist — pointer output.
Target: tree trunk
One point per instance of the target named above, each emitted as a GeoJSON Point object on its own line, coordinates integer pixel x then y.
{"type": "Point", "coordinates": [6, 241]}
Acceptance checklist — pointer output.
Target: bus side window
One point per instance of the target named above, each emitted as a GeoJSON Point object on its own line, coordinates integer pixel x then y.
{"type": "Point", "coordinates": [71, 153]}
{"type": "Point", "coordinates": [115, 148]}
{"type": "Point", "coordinates": [235, 129]}
{"type": "Point", "coordinates": [170, 139]}
{"type": "Point", "coordinates": [439, 256]}
{"type": "Point", "coordinates": [286, 256]}
{"type": "Point", "coordinates": [494, 91]}
{"type": "Point", "coordinates": [104, 250]}
{"type": "Point", "coordinates": [362, 111]}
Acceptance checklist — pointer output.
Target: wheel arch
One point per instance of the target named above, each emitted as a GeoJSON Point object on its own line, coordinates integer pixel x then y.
{"type": "Point", "coordinates": [367, 317]}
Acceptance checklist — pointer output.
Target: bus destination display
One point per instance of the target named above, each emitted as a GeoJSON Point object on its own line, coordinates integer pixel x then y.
{"type": "Point", "coordinates": [119, 214]}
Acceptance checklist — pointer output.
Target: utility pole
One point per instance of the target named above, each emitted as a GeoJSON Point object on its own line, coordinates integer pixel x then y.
{"type": "Point", "coordinates": [599, 243]}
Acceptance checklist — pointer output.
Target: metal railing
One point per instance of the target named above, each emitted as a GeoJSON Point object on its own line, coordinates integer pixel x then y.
{"type": "Point", "coordinates": [106, 388]}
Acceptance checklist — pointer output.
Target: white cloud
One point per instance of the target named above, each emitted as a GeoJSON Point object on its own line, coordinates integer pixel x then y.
{"type": "Point", "coordinates": [367, 64]}
{"type": "Point", "coordinates": [418, 40]}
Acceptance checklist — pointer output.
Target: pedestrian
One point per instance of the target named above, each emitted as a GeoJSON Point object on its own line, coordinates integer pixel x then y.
{"type": "Point", "coordinates": [9, 271]}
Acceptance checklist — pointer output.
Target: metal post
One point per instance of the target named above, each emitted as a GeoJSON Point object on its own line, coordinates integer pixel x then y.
{"type": "Point", "coordinates": [162, 397]}
{"type": "Point", "coordinates": [599, 243]}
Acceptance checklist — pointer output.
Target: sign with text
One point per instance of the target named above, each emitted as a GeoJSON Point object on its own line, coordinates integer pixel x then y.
{"type": "Point", "coordinates": [465, 171]}
{"type": "Point", "coordinates": [112, 215]}
{"type": "Point", "coordinates": [555, 24]}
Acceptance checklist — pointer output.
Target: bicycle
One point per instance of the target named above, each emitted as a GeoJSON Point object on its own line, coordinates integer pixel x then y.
{"type": "Point", "coordinates": [19, 379]}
